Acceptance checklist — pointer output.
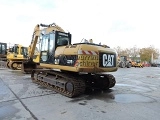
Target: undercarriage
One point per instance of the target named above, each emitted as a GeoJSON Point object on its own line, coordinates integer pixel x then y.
{"type": "Point", "coordinates": [71, 84]}
{"type": "Point", "coordinates": [14, 65]}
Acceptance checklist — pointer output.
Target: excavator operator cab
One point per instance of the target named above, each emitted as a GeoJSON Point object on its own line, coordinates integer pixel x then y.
{"type": "Point", "coordinates": [61, 41]}
{"type": "Point", "coordinates": [19, 50]}
{"type": "Point", "coordinates": [24, 51]}
{"type": "Point", "coordinates": [49, 43]}
{"type": "Point", "coordinates": [14, 49]}
{"type": "Point", "coordinates": [3, 48]}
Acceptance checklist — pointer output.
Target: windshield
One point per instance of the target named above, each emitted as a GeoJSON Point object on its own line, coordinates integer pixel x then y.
{"type": "Point", "coordinates": [24, 51]}
{"type": "Point", "coordinates": [44, 44]}
{"type": "Point", "coordinates": [62, 40]}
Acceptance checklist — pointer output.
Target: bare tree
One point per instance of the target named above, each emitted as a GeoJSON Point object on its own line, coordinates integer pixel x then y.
{"type": "Point", "coordinates": [134, 53]}
{"type": "Point", "coordinates": [119, 50]}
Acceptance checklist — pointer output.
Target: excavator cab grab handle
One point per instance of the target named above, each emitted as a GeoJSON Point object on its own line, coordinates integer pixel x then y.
{"type": "Point", "coordinates": [44, 25]}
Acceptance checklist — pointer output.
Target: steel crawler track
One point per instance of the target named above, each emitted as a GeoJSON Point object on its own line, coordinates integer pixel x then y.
{"type": "Point", "coordinates": [66, 84]}
{"type": "Point", "coordinates": [71, 84]}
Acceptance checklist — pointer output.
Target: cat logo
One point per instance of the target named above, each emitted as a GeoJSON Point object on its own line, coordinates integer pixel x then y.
{"type": "Point", "coordinates": [108, 60]}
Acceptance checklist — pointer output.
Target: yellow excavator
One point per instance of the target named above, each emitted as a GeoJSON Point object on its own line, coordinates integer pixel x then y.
{"type": "Point", "coordinates": [69, 68]}
{"type": "Point", "coordinates": [15, 56]}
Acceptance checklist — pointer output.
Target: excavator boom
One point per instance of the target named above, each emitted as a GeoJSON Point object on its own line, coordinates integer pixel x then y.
{"type": "Point", "coordinates": [34, 41]}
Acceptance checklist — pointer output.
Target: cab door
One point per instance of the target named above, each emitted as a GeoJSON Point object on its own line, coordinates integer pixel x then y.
{"type": "Point", "coordinates": [47, 48]}
{"type": "Point", "coordinates": [3, 48]}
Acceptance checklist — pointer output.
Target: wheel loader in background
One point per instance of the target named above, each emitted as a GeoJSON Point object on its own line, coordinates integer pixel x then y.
{"type": "Point", "coordinates": [3, 51]}
{"type": "Point", "coordinates": [69, 68]}
{"type": "Point", "coordinates": [124, 62]}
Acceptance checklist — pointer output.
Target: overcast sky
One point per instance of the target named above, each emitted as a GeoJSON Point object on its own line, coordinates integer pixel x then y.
{"type": "Point", "coordinates": [124, 23]}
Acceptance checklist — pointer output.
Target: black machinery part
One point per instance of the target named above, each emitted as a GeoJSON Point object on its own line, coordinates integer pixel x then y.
{"type": "Point", "coordinates": [71, 84]}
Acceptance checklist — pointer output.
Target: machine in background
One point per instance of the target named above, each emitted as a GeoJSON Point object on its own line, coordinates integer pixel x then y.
{"type": "Point", "coordinates": [124, 62]}
{"type": "Point", "coordinates": [15, 56]}
{"type": "Point", "coordinates": [3, 51]}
